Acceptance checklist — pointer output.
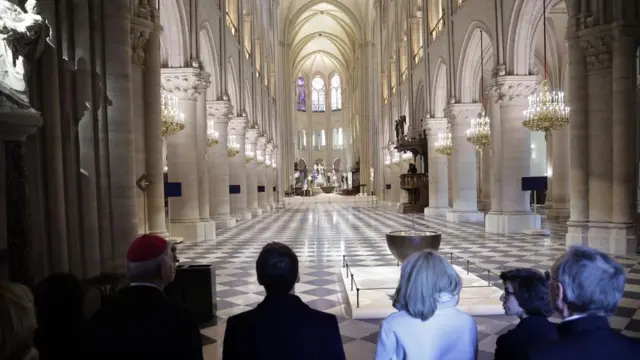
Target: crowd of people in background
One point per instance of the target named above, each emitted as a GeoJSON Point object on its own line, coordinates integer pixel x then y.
{"type": "Point", "coordinates": [583, 287]}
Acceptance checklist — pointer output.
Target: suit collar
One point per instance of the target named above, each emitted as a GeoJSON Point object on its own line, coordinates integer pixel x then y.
{"type": "Point", "coordinates": [532, 322]}
{"type": "Point", "coordinates": [586, 323]}
{"type": "Point", "coordinates": [287, 300]}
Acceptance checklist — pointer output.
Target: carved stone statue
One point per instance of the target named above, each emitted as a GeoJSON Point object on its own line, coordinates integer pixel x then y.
{"type": "Point", "coordinates": [403, 124]}
{"type": "Point", "coordinates": [22, 38]}
{"type": "Point", "coordinates": [397, 127]}
{"type": "Point", "coordinates": [412, 169]}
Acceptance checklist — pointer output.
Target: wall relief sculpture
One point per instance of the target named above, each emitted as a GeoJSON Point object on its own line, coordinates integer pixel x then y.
{"type": "Point", "coordinates": [22, 37]}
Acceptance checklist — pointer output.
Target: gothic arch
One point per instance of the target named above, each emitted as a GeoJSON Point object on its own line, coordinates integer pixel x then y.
{"type": "Point", "coordinates": [468, 74]}
{"type": "Point", "coordinates": [440, 90]}
{"type": "Point", "coordinates": [520, 37]}
{"type": "Point", "coordinates": [233, 87]}
{"type": "Point", "coordinates": [175, 37]}
{"type": "Point", "coordinates": [249, 102]}
{"type": "Point", "coordinates": [419, 108]}
{"type": "Point", "coordinates": [210, 61]}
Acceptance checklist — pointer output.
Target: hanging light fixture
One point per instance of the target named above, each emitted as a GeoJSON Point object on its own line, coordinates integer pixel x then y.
{"type": "Point", "coordinates": [547, 110]}
{"type": "Point", "coordinates": [172, 118]}
{"type": "Point", "coordinates": [233, 148]}
{"type": "Point", "coordinates": [444, 145]}
{"type": "Point", "coordinates": [212, 134]}
{"type": "Point", "coordinates": [479, 131]}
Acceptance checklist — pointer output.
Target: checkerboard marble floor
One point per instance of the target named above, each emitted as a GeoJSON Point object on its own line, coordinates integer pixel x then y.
{"type": "Point", "coordinates": [321, 234]}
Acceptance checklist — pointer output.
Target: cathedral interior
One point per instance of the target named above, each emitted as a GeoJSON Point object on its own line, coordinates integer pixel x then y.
{"type": "Point", "coordinates": [499, 124]}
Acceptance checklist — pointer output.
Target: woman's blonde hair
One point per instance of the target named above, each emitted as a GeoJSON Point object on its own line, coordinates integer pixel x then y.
{"type": "Point", "coordinates": [424, 277]}
{"type": "Point", "coordinates": [17, 319]}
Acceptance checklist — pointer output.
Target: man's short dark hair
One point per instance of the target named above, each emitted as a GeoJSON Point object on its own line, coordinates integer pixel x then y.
{"type": "Point", "coordinates": [531, 289]}
{"type": "Point", "coordinates": [277, 268]}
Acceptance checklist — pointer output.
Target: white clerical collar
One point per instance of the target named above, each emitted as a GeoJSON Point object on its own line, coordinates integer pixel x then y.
{"type": "Point", "coordinates": [574, 317]}
{"type": "Point", "coordinates": [145, 284]}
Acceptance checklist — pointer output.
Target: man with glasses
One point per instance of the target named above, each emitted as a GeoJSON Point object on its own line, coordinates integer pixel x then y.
{"type": "Point", "coordinates": [585, 287]}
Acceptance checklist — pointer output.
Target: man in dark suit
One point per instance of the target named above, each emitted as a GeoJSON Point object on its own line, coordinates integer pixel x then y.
{"type": "Point", "coordinates": [526, 295]}
{"type": "Point", "coordinates": [281, 327]}
{"type": "Point", "coordinates": [586, 286]}
{"type": "Point", "coordinates": [141, 322]}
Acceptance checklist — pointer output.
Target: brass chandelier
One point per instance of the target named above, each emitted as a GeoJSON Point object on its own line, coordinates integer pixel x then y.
{"type": "Point", "coordinates": [172, 118]}
{"type": "Point", "coordinates": [547, 110]}
{"type": "Point", "coordinates": [212, 134]}
{"type": "Point", "coordinates": [479, 131]}
{"type": "Point", "coordinates": [444, 145]}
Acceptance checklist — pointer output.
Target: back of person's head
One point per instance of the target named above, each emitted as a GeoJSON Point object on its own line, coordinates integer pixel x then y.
{"type": "Point", "coordinates": [277, 268]}
{"type": "Point", "coordinates": [531, 290]}
{"type": "Point", "coordinates": [59, 301]}
{"type": "Point", "coordinates": [17, 320]}
{"type": "Point", "coordinates": [426, 280]}
{"type": "Point", "coordinates": [592, 282]}
{"type": "Point", "coordinates": [150, 260]}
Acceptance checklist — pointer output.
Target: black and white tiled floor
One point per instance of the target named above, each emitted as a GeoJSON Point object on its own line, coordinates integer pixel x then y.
{"type": "Point", "coordinates": [322, 233]}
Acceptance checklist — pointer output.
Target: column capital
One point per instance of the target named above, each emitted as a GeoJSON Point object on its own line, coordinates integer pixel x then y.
{"type": "Point", "coordinates": [598, 50]}
{"type": "Point", "coordinates": [459, 114]}
{"type": "Point", "coordinates": [185, 83]}
{"type": "Point", "coordinates": [238, 125]}
{"type": "Point", "coordinates": [139, 34]}
{"type": "Point", "coordinates": [269, 148]}
{"type": "Point", "coordinates": [512, 87]}
{"type": "Point", "coordinates": [219, 111]}
{"type": "Point", "coordinates": [251, 136]}
{"type": "Point", "coordinates": [262, 143]}
{"type": "Point", "coordinates": [434, 126]}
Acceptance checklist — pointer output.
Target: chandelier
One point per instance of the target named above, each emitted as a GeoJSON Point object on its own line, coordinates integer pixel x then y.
{"type": "Point", "coordinates": [233, 150]}
{"type": "Point", "coordinates": [479, 131]}
{"type": "Point", "coordinates": [547, 111]}
{"type": "Point", "coordinates": [172, 118]}
{"type": "Point", "coordinates": [212, 134]}
{"type": "Point", "coordinates": [444, 145]}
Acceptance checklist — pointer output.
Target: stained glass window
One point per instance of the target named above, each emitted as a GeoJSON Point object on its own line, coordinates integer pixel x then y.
{"type": "Point", "coordinates": [317, 95]}
{"type": "Point", "coordinates": [301, 102]}
{"type": "Point", "coordinates": [336, 93]}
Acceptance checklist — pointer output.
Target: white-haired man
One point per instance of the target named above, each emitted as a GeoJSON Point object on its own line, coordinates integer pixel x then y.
{"type": "Point", "coordinates": [585, 287]}
{"type": "Point", "coordinates": [141, 322]}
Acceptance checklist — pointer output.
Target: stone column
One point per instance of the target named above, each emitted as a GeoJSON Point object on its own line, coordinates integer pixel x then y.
{"type": "Point", "coordinates": [269, 175]}
{"type": "Point", "coordinates": [182, 154]}
{"type": "Point", "coordinates": [153, 135]}
{"type": "Point", "coordinates": [218, 162]}
{"type": "Point", "coordinates": [251, 142]}
{"type": "Point", "coordinates": [238, 170]}
{"type": "Point", "coordinates": [203, 158]}
{"type": "Point", "coordinates": [117, 50]}
{"type": "Point", "coordinates": [463, 158]}
{"type": "Point", "coordinates": [511, 212]}
{"type": "Point", "coordinates": [261, 173]}
{"type": "Point", "coordinates": [438, 173]}
{"type": "Point", "coordinates": [559, 176]}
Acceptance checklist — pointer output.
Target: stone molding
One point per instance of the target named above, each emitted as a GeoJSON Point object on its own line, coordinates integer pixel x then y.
{"type": "Point", "coordinates": [512, 88]}
{"type": "Point", "coordinates": [269, 148]}
{"type": "Point", "coordinates": [459, 114]}
{"type": "Point", "coordinates": [185, 83]}
{"type": "Point", "coordinates": [139, 34]}
{"type": "Point", "coordinates": [219, 111]}
{"type": "Point", "coordinates": [435, 125]}
{"type": "Point", "coordinates": [598, 51]}
{"type": "Point", "coordinates": [262, 143]}
{"type": "Point", "coordinates": [251, 136]}
{"type": "Point", "coordinates": [238, 126]}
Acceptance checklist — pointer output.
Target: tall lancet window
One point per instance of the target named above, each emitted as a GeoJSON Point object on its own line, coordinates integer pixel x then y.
{"type": "Point", "coordinates": [338, 139]}
{"type": "Point", "coordinates": [336, 93]}
{"type": "Point", "coordinates": [317, 94]}
{"type": "Point", "coordinates": [301, 95]}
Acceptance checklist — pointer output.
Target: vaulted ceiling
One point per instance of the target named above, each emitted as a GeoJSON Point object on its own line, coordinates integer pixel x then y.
{"type": "Point", "coordinates": [323, 33]}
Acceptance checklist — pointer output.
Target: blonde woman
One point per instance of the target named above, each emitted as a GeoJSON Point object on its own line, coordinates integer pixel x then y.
{"type": "Point", "coordinates": [427, 326]}
{"type": "Point", "coordinates": [17, 323]}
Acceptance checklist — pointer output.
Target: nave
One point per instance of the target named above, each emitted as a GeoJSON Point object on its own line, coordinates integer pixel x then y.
{"type": "Point", "coordinates": [321, 234]}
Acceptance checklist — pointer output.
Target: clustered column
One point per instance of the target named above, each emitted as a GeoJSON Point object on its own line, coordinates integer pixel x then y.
{"type": "Point", "coordinates": [438, 172]}
{"type": "Point", "coordinates": [251, 141]}
{"type": "Point", "coordinates": [269, 175]}
{"type": "Point", "coordinates": [261, 173]}
{"type": "Point", "coordinates": [511, 212]}
{"type": "Point", "coordinates": [238, 170]}
{"type": "Point", "coordinates": [183, 155]}
{"type": "Point", "coordinates": [202, 156]}
{"type": "Point", "coordinates": [463, 161]}
{"type": "Point", "coordinates": [219, 112]}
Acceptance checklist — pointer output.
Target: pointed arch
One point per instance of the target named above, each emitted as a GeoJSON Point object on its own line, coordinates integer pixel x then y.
{"type": "Point", "coordinates": [249, 101]}
{"type": "Point", "coordinates": [440, 90]}
{"type": "Point", "coordinates": [336, 92]}
{"type": "Point", "coordinates": [467, 75]}
{"type": "Point", "coordinates": [418, 102]}
{"type": "Point", "coordinates": [210, 61]}
{"type": "Point", "coordinates": [233, 87]}
{"type": "Point", "coordinates": [175, 37]}
{"type": "Point", "coordinates": [318, 93]}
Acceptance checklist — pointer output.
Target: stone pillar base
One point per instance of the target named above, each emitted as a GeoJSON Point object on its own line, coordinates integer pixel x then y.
{"type": "Point", "coordinates": [558, 215]}
{"type": "Point", "coordinates": [458, 216]}
{"type": "Point", "coordinates": [265, 208]}
{"type": "Point", "coordinates": [255, 212]}
{"type": "Point", "coordinates": [242, 216]}
{"type": "Point", "coordinates": [193, 230]}
{"type": "Point", "coordinates": [436, 211]}
{"type": "Point", "coordinates": [511, 223]}
{"type": "Point", "coordinates": [225, 222]}
{"type": "Point", "coordinates": [617, 239]}
{"type": "Point", "coordinates": [164, 234]}
{"type": "Point", "coordinates": [577, 233]}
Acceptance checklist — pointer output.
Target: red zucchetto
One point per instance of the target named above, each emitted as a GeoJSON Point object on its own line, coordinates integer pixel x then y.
{"type": "Point", "coordinates": [146, 247]}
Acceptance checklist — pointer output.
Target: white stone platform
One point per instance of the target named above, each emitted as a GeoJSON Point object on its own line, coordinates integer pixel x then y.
{"type": "Point", "coordinates": [330, 198]}
{"type": "Point", "coordinates": [477, 298]}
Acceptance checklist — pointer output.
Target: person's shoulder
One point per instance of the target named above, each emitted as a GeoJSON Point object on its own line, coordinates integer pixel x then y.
{"type": "Point", "coordinates": [320, 316]}
{"type": "Point", "coordinates": [243, 317]}
{"type": "Point", "coordinates": [396, 318]}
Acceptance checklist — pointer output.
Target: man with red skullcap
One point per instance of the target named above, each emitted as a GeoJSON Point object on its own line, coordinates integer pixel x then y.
{"type": "Point", "coordinates": [141, 322]}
